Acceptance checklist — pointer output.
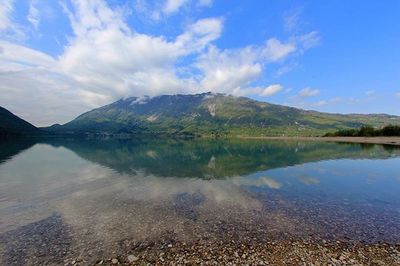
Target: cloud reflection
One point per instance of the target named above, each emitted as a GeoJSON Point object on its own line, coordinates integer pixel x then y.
{"type": "Point", "coordinates": [309, 180]}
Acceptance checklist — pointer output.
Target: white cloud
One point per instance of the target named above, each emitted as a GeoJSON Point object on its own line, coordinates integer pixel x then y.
{"type": "Point", "coordinates": [32, 84]}
{"type": "Point", "coordinates": [271, 90]}
{"type": "Point", "coordinates": [260, 91]}
{"type": "Point", "coordinates": [199, 34]}
{"type": "Point", "coordinates": [105, 60]}
{"type": "Point", "coordinates": [172, 6]}
{"type": "Point", "coordinates": [398, 94]}
{"type": "Point", "coordinates": [233, 70]}
{"type": "Point", "coordinates": [286, 68]}
{"type": "Point", "coordinates": [291, 19]}
{"type": "Point", "coordinates": [8, 28]}
{"type": "Point", "coordinates": [157, 11]}
{"type": "Point", "coordinates": [205, 3]}
{"type": "Point", "coordinates": [274, 50]}
{"type": "Point", "coordinates": [122, 62]}
{"type": "Point", "coordinates": [33, 14]}
{"type": "Point", "coordinates": [44, 97]}
{"type": "Point", "coordinates": [309, 40]}
{"type": "Point", "coordinates": [308, 92]}
{"type": "Point", "coordinates": [16, 57]}
{"type": "Point", "coordinates": [228, 70]}
{"type": "Point", "coordinates": [6, 9]}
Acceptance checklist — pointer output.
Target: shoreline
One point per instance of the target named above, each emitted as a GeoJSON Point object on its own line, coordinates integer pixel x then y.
{"type": "Point", "coordinates": [285, 252]}
{"type": "Point", "coordinates": [364, 140]}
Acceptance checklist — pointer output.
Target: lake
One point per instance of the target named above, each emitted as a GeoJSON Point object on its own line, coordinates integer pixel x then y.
{"type": "Point", "coordinates": [87, 201]}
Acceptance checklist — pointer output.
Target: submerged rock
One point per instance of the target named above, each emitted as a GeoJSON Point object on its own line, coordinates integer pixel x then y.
{"type": "Point", "coordinates": [132, 258]}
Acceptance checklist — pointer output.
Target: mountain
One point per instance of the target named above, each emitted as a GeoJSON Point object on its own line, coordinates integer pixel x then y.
{"type": "Point", "coordinates": [11, 124]}
{"type": "Point", "coordinates": [212, 114]}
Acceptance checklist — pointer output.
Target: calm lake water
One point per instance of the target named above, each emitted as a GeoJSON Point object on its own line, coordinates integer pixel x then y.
{"type": "Point", "coordinates": [90, 197]}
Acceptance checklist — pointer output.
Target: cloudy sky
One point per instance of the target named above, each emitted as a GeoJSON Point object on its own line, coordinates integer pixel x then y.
{"type": "Point", "coordinates": [61, 58]}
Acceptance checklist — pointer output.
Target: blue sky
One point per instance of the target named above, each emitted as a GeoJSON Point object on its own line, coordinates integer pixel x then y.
{"type": "Point", "coordinates": [61, 58]}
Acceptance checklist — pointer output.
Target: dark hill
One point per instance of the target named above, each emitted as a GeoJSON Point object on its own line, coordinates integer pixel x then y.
{"type": "Point", "coordinates": [11, 125]}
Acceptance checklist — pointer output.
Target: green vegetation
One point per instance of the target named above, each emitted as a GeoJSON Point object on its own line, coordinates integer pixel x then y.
{"type": "Point", "coordinates": [367, 131]}
{"type": "Point", "coordinates": [212, 115]}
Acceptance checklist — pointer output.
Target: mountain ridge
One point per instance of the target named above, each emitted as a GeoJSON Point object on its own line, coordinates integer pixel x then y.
{"type": "Point", "coordinates": [212, 114]}
{"type": "Point", "coordinates": [10, 124]}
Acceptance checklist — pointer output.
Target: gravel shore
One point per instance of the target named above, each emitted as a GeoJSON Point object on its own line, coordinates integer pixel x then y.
{"type": "Point", "coordinates": [289, 252]}
{"type": "Point", "coordinates": [52, 243]}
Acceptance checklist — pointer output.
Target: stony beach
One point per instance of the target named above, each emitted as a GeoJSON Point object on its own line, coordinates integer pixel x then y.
{"type": "Point", "coordinates": [291, 252]}
{"type": "Point", "coordinates": [219, 237]}
{"type": "Point", "coordinates": [54, 247]}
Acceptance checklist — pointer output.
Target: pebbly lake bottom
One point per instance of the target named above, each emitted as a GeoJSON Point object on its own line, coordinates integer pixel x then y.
{"type": "Point", "coordinates": [116, 201]}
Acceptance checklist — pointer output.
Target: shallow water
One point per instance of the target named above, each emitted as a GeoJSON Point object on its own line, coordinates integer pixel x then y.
{"type": "Point", "coordinates": [89, 197]}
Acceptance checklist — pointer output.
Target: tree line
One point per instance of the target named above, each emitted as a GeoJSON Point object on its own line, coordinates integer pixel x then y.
{"type": "Point", "coordinates": [367, 131]}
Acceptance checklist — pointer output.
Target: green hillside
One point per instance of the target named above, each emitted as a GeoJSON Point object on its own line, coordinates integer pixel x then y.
{"type": "Point", "coordinates": [213, 114]}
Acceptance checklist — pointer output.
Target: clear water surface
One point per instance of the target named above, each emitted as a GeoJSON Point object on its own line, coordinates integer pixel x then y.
{"type": "Point", "coordinates": [59, 196]}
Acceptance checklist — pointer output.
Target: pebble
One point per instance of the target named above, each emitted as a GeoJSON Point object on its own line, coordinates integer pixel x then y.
{"type": "Point", "coordinates": [114, 261]}
{"type": "Point", "coordinates": [132, 258]}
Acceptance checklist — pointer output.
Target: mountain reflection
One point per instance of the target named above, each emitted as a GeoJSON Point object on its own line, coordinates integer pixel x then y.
{"type": "Point", "coordinates": [11, 147]}
{"type": "Point", "coordinates": [210, 159]}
